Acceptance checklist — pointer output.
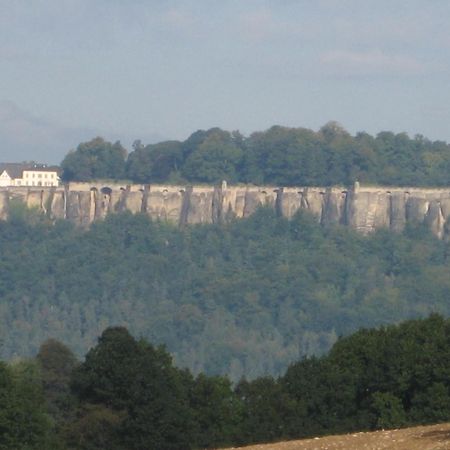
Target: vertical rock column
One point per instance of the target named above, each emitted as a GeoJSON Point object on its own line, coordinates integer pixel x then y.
{"type": "Point", "coordinates": [313, 200]}
{"type": "Point", "coordinates": [164, 202]}
{"type": "Point", "coordinates": [397, 211]}
{"type": "Point", "coordinates": [58, 205]}
{"type": "Point", "coordinates": [4, 200]}
{"type": "Point", "coordinates": [368, 209]}
{"type": "Point", "coordinates": [200, 209]}
{"type": "Point", "coordinates": [334, 206]}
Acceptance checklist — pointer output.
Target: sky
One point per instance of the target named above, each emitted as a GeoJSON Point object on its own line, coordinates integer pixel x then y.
{"type": "Point", "coordinates": [71, 70]}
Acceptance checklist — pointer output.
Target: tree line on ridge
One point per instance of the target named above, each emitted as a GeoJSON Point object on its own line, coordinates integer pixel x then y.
{"type": "Point", "coordinates": [278, 156]}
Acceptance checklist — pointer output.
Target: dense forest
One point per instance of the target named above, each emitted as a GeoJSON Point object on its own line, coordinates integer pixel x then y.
{"type": "Point", "coordinates": [244, 299]}
{"type": "Point", "coordinates": [225, 334]}
{"type": "Point", "coordinates": [127, 394]}
{"type": "Point", "coordinates": [279, 156]}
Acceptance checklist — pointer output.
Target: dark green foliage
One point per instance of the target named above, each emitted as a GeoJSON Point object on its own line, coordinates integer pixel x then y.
{"type": "Point", "coordinates": [244, 299]}
{"type": "Point", "coordinates": [93, 160]}
{"type": "Point", "coordinates": [24, 424]}
{"type": "Point", "coordinates": [128, 394]}
{"type": "Point", "coordinates": [216, 412]}
{"type": "Point", "coordinates": [266, 407]}
{"type": "Point", "coordinates": [216, 156]}
{"type": "Point", "coordinates": [278, 156]}
{"type": "Point", "coordinates": [56, 362]}
{"type": "Point", "coordinates": [143, 396]}
{"type": "Point", "coordinates": [393, 367]}
{"type": "Point", "coordinates": [95, 427]}
{"type": "Point", "coordinates": [154, 163]}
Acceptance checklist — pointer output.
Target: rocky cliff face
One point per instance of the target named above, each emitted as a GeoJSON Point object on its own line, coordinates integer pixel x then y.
{"type": "Point", "coordinates": [361, 207]}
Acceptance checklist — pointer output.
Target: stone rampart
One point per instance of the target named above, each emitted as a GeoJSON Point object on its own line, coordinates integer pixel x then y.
{"type": "Point", "coordinates": [364, 208]}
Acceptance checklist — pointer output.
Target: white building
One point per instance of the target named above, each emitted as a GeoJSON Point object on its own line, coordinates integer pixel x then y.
{"type": "Point", "coordinates": [15, 174]}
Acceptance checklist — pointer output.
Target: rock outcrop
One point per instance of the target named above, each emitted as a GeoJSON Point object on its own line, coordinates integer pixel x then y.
{"type": "Point", "coordinates": [364, 208]}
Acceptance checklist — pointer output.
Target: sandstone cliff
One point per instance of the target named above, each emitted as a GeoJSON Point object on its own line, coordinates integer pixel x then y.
{"type": "Point", "coordinates": [363, 208]}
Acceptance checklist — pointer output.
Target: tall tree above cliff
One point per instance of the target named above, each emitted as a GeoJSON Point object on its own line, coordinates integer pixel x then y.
{"type": "Point", "coordinates": [155, 162]}
{"type": "Point", "coordinates": [217, 155]}
{"type": "Point", "coordinates": [93, 160]}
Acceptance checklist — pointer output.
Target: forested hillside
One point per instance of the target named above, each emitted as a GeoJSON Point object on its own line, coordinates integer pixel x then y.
{"type": "Point", "coordinates": [245, 298]}
{"type": "Point", "coordinates": [279, 156]}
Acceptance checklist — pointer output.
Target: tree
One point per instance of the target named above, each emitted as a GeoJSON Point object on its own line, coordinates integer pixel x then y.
{"type": "Point", "coordinates": [265, 410]}
{"type": "Point", "coordinates": [57, 362]}
{"type": "Point", "coordinates": [216, 156]}
{"type": "Point", "coordinates": [95, 159]}
{"type": "Point", "coordinates": [24, 424]}
{"type": "Point", "coordinates": [154, 163]}
{"type": "Point", "coordinates": [217, 411]}
{"type": "Point", "coordinates": [137, 383]}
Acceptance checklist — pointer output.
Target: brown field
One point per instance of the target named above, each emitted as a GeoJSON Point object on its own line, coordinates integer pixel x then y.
{"type": "Point", "coordinates": [432, 437]}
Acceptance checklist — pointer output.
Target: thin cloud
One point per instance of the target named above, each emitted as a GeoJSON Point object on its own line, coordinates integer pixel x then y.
{"type": "Point", "coordinates": [24, 136]}
{"type": "Point", "coordinates": [22, 126]}
{"type": "Point", "coordinates": [257, 25]}
{"type": "Point", "coordinates": [373, 62]}
{"type": "Point", "coordinates": [179, 19]}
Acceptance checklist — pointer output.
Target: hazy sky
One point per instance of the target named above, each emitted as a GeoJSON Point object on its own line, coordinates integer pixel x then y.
{"type": "Point", "coordinates": [150, 70]}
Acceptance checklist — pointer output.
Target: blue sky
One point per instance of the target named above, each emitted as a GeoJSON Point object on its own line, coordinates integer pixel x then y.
{"type": "Point", "coordinates": [156, 69]}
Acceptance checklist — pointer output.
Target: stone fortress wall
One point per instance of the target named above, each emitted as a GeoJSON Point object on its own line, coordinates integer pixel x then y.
{"type": "Point", "coordinates": [364, 208]}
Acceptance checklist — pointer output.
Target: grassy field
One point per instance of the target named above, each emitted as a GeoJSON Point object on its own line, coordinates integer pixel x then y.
{"type": "Point", "coordinates": [434, 437]}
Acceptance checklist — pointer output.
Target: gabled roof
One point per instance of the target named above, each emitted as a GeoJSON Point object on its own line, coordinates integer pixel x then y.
{"type": "Point", "coordinates": [15, 170]}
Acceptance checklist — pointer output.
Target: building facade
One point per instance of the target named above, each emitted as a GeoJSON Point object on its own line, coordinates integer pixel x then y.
{"type": "Point", "coordinates": [19, 174]}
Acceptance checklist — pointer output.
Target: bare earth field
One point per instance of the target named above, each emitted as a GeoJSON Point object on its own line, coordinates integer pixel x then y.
{"type": "Point", "coordinates": [432, 437]}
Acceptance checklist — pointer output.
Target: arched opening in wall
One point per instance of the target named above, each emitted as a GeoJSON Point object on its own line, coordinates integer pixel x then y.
{"type": "Point", "coordinates": [106, 192]}
{"type": "Point", "coordinates": [264, 192]}
{"type": "Point", "coordinates": [122, 189]}
{"type": "Point", "coordinates": [181, 191]}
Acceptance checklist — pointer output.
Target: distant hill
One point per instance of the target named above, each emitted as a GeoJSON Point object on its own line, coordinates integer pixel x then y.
{"type": "Point", "coordinates": [243, 298]}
